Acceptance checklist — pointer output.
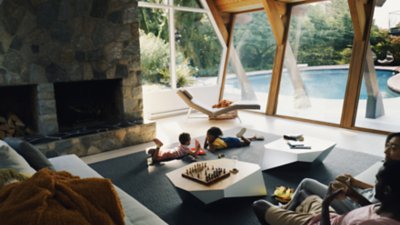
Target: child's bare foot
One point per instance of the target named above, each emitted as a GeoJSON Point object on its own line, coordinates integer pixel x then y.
{"type": "Point", "coordinates": [241, 132]}
{"type": "Point", "coordinates": [158, 142]}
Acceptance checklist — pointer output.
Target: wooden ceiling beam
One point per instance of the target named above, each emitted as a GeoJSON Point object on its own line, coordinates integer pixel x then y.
{"type": "Point", "coordinates": [219, 19]}
{"type": "Point", "coordinates": [234, 6]}
{"type": "Point", "coordinates": [361, 12]}
{"type": "Point", "coordinates": [237, 6]}
{"type": "Point", "coordinates": [277, 15]}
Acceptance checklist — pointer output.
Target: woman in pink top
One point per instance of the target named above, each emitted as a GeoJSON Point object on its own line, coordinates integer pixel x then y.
{"type": "Point", "coordinates": [158, 155]}
{"type": "Point", "coordinates": [315, 211]}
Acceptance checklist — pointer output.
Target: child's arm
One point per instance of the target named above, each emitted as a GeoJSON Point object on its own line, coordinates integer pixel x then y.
{"type": "Point", "coordinates": [197, 147]}
{"type": "Point", "coordinates": [211, 147]}
{"type": "Point", "coordinates": [206, 143]}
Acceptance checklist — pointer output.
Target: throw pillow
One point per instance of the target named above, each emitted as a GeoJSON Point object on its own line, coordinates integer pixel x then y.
{"type": "Point", "coordinates": [9, 158]}
{"type": "Point", "coordinates": [36, 159]}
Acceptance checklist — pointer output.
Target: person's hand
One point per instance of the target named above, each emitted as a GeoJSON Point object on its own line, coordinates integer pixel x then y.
{"type": "Point", "coordinates": [337, 190]}
{"type": "Point", "coordinates": [345, 178]}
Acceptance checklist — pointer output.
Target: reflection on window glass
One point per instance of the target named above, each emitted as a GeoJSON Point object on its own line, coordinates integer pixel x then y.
{"type": "Point", "coordinates": [198, 51]}
{"type": "Point", "coordinates": [379, 104]}
{"type": "Point", "coordinates": [188, 3]}
{"type": "Point", "coordinates": [251, 59]}
{"type": "Point", "coordinates": [154, 48]}
{"type": "Point", "coordinates": [316, 61]}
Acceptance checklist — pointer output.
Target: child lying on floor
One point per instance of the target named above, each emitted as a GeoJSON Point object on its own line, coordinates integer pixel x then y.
{"type": "Point", "coordinates": [215, 140]}
{"type": "Point", "coordinates": [182, 151]}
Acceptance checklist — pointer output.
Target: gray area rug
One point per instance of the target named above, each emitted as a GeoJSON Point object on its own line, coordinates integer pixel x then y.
{"type": "Point", "coordinates": [150, 186]}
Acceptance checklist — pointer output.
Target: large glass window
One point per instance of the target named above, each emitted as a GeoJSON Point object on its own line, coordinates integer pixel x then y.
{"type": "Point", "coordinates": [316, 61]}
{"type": "Point", "coordinates": [251, 59]}
{"type": "Point", "coordinates": [187, 3]}
{"type": "Point", "coordinates": [379, 102]}
{"type": "Point", "coordinates": [179, 46]}
{"type": "Point", "coordinates": [154, 49]}
{"type": "Point", "coordinates": [165, 2]}
{"type": "Point", "coordinates": [198, 51]}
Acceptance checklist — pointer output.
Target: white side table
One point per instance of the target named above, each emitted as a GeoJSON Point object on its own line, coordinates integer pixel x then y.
{"type": "Point", "coordinates": [278, 152]}
{"type": "Point", "coordinates": [248, 181]}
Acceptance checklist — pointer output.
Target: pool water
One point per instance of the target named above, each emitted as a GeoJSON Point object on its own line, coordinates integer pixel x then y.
{"type": "Point", "coordinates": [327, 83]}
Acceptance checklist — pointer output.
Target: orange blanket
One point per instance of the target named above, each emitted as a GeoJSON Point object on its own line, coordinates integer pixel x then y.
{"type": "Point", "coordinates": [58, 198]}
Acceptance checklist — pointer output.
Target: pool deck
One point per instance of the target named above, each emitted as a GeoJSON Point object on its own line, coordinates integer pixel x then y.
{"type": "Point", "coordinates": [394, 83]}
{"type": "Point", "coordinates": [330, 110]}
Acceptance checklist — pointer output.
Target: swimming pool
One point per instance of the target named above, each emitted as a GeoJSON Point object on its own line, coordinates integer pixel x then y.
{"type": "Point", "coordinates": [320, 83]}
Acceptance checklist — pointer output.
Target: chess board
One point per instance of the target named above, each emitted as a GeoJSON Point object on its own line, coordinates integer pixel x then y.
{"type": "Point", "coordinates": [205, 174]}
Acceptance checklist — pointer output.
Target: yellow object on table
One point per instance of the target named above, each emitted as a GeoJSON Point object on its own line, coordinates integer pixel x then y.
{"type": "Point", "coordinates": [283, 194]}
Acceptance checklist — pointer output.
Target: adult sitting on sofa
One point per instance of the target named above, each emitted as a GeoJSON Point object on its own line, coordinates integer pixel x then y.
{"type": "Point", "coordinates": [21, 163]}
{"type": "Point", "coordinates": [361, 185]}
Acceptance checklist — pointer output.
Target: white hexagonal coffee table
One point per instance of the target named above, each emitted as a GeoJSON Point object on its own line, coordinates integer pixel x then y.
{"type": "Point", "coordinates": [247, 182]}
{"type": "Point", "coordinates": [278, 152]}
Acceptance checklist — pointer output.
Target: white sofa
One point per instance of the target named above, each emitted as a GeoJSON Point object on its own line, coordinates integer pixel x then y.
{"type": "Point", "coordinates": [27, 159]}
{"type": "Point", "coordinates": [135, 212]}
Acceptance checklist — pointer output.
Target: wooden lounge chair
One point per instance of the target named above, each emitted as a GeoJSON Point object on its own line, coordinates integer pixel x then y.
{"type": "Point", "coordinates": [214, 113]}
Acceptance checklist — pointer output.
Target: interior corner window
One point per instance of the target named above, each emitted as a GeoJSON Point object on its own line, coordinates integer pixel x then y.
{"type": "Point", "coordinates": [198, 51]}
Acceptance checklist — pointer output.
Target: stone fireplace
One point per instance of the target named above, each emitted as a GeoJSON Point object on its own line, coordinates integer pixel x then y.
{"type": "Point", "coordinates": [88, 104]}
{"type": "Point", "coordinates": [70, 72]}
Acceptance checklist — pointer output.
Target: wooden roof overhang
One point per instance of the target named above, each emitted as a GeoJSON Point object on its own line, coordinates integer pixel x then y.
{"type": "Point", "coordinates": [239, 6]}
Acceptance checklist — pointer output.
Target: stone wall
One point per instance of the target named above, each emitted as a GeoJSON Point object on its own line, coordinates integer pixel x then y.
{"type": "Point", "coordinates": [48, 41]}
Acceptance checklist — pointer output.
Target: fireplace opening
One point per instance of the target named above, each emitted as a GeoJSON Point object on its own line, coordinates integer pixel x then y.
{"type": "Point", "coordinates": [17, 110]}
{"type": "Point", "coordinates": [88, 104]}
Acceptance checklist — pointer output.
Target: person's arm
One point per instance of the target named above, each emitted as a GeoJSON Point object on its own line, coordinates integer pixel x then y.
{"type": "Point", "coordinates": [349, 191]}
{"type": "Point", "coordinates": [211, 147]}
{"type": "Point", "coordinates": [347, 178]}
{"type": "Point", "coordinates": [357, 197]}
{"type": "Point", "coordinates": [206, 143]}
{"type": "Point", "coordinates": [330, 196]}
{"type": "Point", "coordinates": [197, 147]}
{"type": "Point", "coordinates": [358, 183]}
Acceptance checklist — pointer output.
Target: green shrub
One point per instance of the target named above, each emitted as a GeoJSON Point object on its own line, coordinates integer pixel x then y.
{"type": "Point", "coordinates": [154, 53]}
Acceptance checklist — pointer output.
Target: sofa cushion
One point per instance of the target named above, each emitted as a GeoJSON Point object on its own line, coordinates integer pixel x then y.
{"type": "Point", "coordinates": [9, 158]}
{"type": "Point", "coordinates": [31, 154]}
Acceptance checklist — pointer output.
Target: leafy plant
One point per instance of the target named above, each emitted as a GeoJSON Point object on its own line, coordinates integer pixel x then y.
{"type": "Point", "coordinates": [154, 54]}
